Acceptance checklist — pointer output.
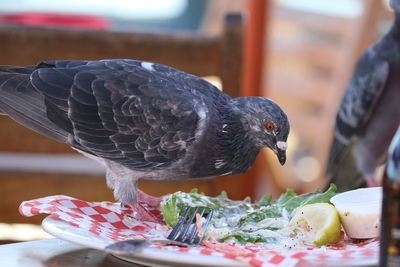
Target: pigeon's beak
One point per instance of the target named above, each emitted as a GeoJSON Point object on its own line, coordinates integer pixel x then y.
{"type": "Point", "coordinates": [281, 156]}
{"type": "Point", "coordinates": [281, 151]}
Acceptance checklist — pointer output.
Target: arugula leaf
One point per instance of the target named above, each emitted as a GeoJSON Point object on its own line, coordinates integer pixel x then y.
{"type": "Point", "coordinates": [265, 200]}
{"type": "Point", "coordinates": [290, 201]}
{"type": "Point", "coordinates": [288, 195]}
{"type": "Point", "coordinates": [247, 199]}
{"type": "Point", "coordinates": [223, 194]}
{"type": "Point", "coordinates": [261, 214]}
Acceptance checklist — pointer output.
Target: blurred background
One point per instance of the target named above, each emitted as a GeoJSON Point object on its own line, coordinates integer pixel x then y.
{"type": "Point", "coordinates": [300, 53]}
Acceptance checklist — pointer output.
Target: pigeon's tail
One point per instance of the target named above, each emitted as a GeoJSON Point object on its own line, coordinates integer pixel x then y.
{"type": "Point", "coordinates": [342, 169]}
{"type": "Point", "coordinates": [23, 103]}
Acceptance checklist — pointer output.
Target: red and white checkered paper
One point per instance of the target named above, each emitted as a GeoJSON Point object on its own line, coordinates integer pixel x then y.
{"type": "Point", "coordinates": [105, 220]}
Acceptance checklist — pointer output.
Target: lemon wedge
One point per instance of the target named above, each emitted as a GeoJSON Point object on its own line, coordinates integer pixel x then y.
{"type": "Point", "coordinates": [319, 223]}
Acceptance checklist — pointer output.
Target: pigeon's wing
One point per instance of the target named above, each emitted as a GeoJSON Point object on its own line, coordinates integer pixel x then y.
{"type": "Point", "coordinates": [141, 115]}
{"type": "Point", "coordinates": [360, 99]}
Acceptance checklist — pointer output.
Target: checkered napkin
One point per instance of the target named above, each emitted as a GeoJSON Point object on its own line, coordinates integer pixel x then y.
{"type": "Point", "coordinates": [105, 221]}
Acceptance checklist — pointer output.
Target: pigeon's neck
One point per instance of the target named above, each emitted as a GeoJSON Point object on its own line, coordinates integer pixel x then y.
{"type": "Point", "coordinates": [236, 151]}
{"type": "Point", "coordinates": [226, 148]}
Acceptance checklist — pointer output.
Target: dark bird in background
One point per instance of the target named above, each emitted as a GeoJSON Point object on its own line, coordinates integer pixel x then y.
{"type": "Point", "coordinates": [393, 165]}
{"type": "Point", "coordinates": [369, 113]}
{"type": "Point", "coordinates": [143, 120]}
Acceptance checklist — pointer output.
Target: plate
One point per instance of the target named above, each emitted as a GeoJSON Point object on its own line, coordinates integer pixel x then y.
{"type": "Point", "coordinates": [165, 258]}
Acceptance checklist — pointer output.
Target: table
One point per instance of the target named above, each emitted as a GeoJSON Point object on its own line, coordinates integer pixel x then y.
{"type": "Point", "coordinates": [56, 253]}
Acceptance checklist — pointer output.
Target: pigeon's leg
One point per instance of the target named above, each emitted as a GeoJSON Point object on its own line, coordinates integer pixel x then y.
{"type": "Point", "coordinates": [371, 182]}
{"type": "Point", "coordinates": [138, 211]}
{"type": "Point", "coordinates": [142, 197]}
{"type": "Point", "coordinates": [130, 197]}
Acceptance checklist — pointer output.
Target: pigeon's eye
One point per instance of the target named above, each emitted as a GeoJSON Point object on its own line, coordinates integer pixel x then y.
{"type": "Point", "coordinates": [269, 126]}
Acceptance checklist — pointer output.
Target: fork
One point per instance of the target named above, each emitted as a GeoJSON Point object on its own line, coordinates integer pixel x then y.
{"type": "Point", "coordinates": [185, 233]}
{"type": "Point", "coordinates": [181, 231]}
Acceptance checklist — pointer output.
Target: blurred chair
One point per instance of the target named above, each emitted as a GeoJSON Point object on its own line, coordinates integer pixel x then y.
{"type": "Point", "coordinates": [33, 166]}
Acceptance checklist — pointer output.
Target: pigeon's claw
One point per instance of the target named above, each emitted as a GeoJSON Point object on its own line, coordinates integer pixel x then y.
{"type": "Point", "coordinates": [139, 212]}
{"type": "Point", "coordinates": [144, 214]}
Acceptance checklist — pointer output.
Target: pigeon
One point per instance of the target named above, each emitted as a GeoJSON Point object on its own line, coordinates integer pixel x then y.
{"type": "Point", "coordinates": [368, 115]}
{"type": "Point", "coordinates": [143, 120]}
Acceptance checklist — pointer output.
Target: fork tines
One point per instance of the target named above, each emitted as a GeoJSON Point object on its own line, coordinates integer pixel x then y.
{"type": "Point", "coordinates": [186, 229]}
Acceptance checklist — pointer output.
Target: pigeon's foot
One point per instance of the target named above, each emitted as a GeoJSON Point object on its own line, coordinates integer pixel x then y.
{"type": "Point", "coordinates": [149, 200]}
{"type": "Point", "coordinates": [371, 182]}
{"type": "Point", "coordinates": [138, 211]}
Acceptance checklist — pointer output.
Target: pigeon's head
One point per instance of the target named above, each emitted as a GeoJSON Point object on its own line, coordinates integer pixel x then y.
{"type": "Point", "coordinates": [266, 124]}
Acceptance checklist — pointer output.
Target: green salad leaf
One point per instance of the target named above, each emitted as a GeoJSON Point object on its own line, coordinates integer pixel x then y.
{"type": "Point", "coordinates": [290, 200]}
{"type": "Point", "coordinates": [170, 211]}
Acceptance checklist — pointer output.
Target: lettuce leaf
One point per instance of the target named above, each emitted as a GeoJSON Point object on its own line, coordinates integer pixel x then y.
{"type": "Point", "coordinates": [290, 201]}
{"type": "Point", "coordinates": [170, 211]}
